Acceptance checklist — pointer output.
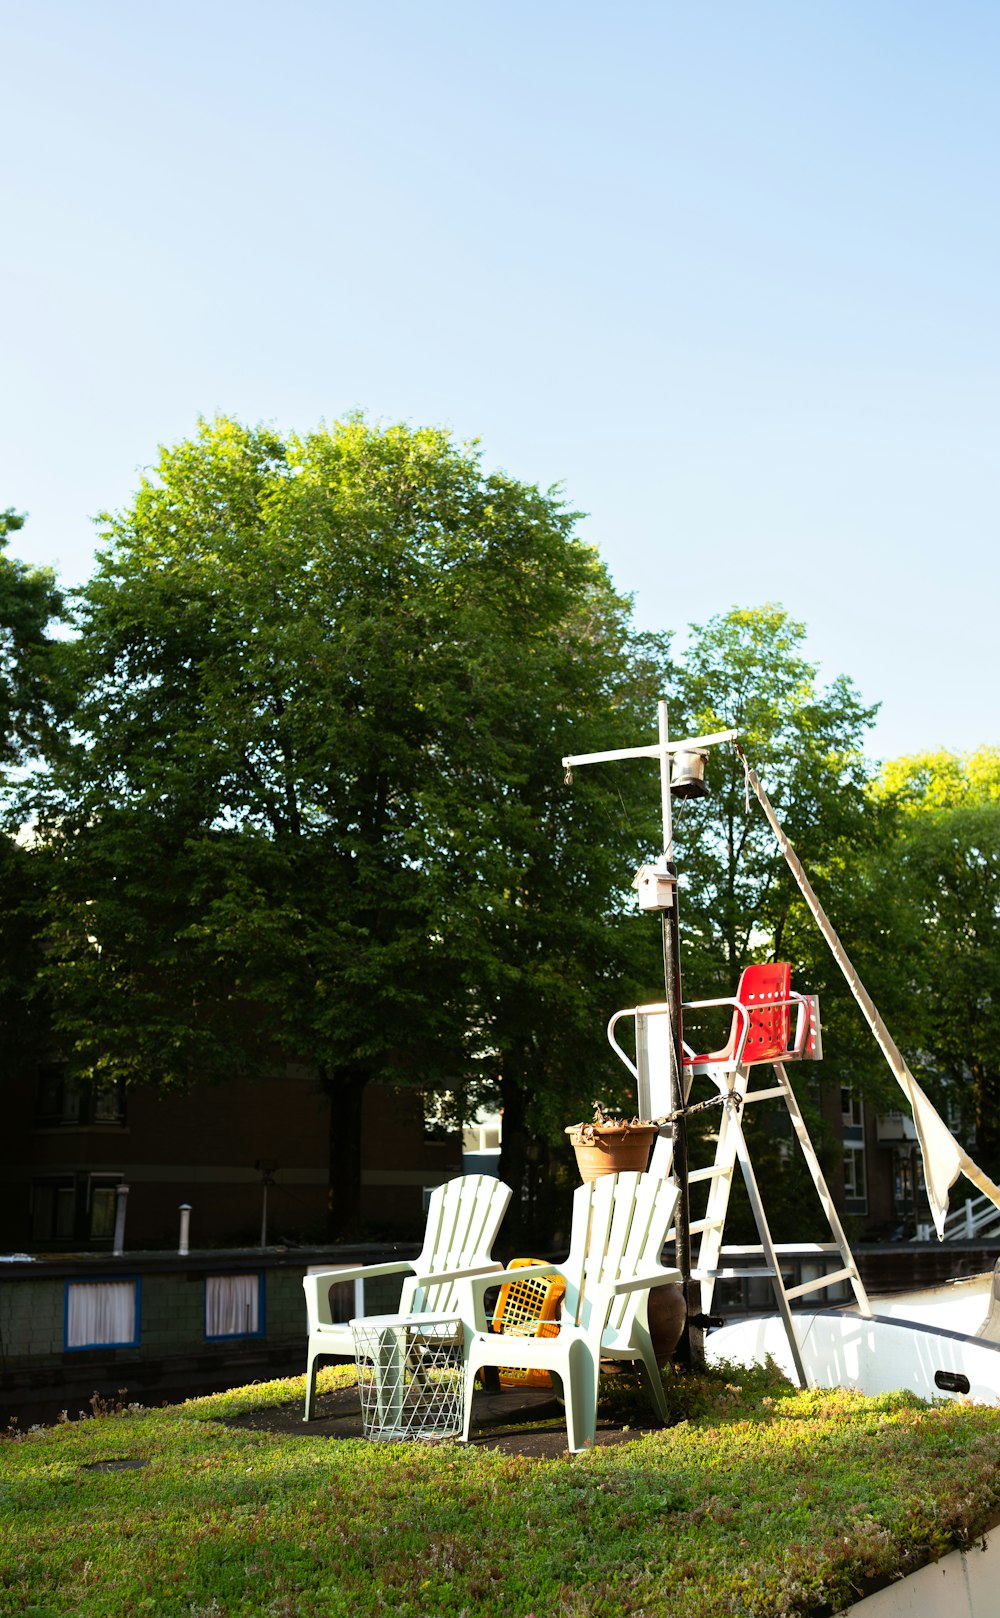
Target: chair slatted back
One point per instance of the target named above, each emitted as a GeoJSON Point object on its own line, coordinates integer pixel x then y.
{"type": "Point", "coordinates": [761, 990]}
{"type": "Point", "coordinates": [620, 1223]}
{"type": "Point", "coordinates": [463, 1217]}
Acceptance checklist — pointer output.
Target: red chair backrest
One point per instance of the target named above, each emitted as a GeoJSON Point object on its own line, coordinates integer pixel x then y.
{"type": "Point", "coordinates": [761, 990]}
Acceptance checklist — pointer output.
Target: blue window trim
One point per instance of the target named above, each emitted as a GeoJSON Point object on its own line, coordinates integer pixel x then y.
{"type": "Point", "coordinates": [86, 1348]}
{"type": "Point", "coordinates": [234, 1336]}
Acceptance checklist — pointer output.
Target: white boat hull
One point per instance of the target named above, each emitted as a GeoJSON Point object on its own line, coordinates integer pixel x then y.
{"type": "Point", "coordinates": [962, 1584]}
{"type": "Point", "coordinates": [841, 1349]}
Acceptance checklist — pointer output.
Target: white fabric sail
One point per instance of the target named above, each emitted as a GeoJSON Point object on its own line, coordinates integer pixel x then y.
{"type": "Point", "coordinates": [944, 1159]}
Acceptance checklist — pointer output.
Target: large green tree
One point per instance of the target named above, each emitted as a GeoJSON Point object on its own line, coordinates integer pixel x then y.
{"type": "Point", "coordinates": [30, 711]}
{"type": "Point", "coordinates": [29, 602]}
{"type": "Point", "coordinates": [747, 670]}
{"type": "Point", "coordinates": [313, 806]}
{"type": "Point", "coordinates": [938, 882]}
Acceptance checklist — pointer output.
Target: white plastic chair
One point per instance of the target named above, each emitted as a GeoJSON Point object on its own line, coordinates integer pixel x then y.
{"type": "Point", "coordinates": [620, 1224]}
{"type": "Point", "coordinates": [463, 1217]}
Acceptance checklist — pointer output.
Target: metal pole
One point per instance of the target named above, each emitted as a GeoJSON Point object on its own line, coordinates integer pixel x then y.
{"type": "Point", "coordinates": [690, 1348]}
{"type": "Point", "coordinates": [665, 805]}
{"type": "Point", "coordinates": [183, 1240]}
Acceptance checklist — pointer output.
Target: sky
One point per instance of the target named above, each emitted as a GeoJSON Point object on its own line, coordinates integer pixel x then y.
{"type": "Point", "coordinates": [728, 273]}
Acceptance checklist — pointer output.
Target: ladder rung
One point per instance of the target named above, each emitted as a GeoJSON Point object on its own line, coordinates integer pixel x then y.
{"type": "Point", "coordinates": [695, 1228]}
{"type": "Point", "coordinates": [806, 1249]}
{"type": "Point", "coordinates": [820, 1282]}
{"type": "Point", "coordinates": [728, 1274]}
{"type": "Point", "coordinates": [708, 1174]}
{"type": "Point", "coordinates": [764, 1095]}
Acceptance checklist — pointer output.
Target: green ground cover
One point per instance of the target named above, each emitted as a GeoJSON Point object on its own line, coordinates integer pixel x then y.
{"type": "Point", "coordinates": [759, 1501]}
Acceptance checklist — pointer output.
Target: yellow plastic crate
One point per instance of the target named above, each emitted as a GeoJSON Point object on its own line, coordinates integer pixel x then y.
{"type": "Point", "coordinates": [528, 1308]}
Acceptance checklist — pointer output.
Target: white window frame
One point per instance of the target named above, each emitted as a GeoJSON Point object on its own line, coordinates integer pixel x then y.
{"type": "Point", "coordinates": [855, 1182]}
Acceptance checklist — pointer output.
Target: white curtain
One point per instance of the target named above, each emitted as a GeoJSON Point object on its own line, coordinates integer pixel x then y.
{"type": "Point", "coordinates": [232, 1305]}
{"type": "Point", "coordinates": [100, 1313]}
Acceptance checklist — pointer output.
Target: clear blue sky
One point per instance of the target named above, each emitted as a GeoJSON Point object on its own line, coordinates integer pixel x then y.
{"type": "Point", "coordinates": [729, 272]}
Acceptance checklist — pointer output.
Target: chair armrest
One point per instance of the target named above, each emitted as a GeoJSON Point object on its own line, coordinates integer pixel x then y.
{"type": "Point", "coordinates": [702, 1005]}
{"type": "Point", "coordinates": [474, 1285]}
{"type": "Point", "coordinates": [317, 1287]}
{"type": "Point", "coordinates": [742, 1011]}
{"type": "Point", "coordinates": [803, 1022]}
{"type": "Point", "coordinates": [358, 1272]}
{"type": "Point", "coordinates": [470, 1272]}
{"type": "Point", "coordinates": [636, 1283]}
{"type": "Point", "coordinates": [523, 1272]}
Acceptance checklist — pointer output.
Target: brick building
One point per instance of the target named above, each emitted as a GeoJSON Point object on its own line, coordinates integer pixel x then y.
{"type": "Point", "coordinates": [66, 1148]}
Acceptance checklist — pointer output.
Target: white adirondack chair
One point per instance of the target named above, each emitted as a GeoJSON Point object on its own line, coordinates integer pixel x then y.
{"type": "Point", "coordinates": [620, 1223]}
{"type": "Point", "coordinates": [463, 1217]}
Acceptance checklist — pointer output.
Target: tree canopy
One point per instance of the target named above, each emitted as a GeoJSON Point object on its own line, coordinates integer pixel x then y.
{"type": "Point", "coordinates": [29, 601]}
{"type": "Point", "coordinates": [30, 710]}
{"type": "Point", "coordinates": [313, 807]}
{"type": "Point", "coordinates": [310, 806]}
{"type": "Point", "coordinates": [746, 671]}
{"type": "Point", "coordinates": [939, 878]}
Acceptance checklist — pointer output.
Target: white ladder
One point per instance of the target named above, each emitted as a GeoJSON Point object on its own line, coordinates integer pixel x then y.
{"type": "Point", "coordinates": [710, 1266]}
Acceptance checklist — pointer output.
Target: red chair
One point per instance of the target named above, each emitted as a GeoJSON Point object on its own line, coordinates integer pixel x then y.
{"type": "Point", "coordinates": [761, 1025]}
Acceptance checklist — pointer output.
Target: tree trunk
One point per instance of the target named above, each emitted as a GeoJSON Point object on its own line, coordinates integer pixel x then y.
{"type": "Point", "coordinates": [344, 1089]}
{"type": "Point", "coordinates": [513, 1159]}
{"type": "Point", "coordinates": [543, 1201]}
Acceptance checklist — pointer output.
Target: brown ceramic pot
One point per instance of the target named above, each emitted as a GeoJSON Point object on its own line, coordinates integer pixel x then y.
{"type": "Point", "coordinates": [611, 1148]}
{"type": "Point", "coordinates": [666, 1313]}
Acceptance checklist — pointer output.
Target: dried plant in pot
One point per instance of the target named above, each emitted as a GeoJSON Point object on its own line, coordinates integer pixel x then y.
{"type": "Point", "coordinates": [611, 1144]}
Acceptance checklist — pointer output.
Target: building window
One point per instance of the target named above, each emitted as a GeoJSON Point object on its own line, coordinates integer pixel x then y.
{"type": "Point", "coordinates": [66, 1102]}
{"type": "Point", "coordinates": [102, 1314]}
{"type": "Point", "coordinates": [53, 1210]}
{"type": "Point", "coordinates": [850, 1108]}
{"type": "Point", "coordinates": [234, 1306]}
{"type": "Point", "coordinates": [909, 1188]}
{"type": "Point", "coordinates": [101, 1205]}
{"type": "Point", "coordinates": [107, 1102]}
{"type": "Point", "coordinates": [346, 1298]}
{"type": "Point", "coordinates": [855, 1185]}
{"type": "Point", "coordinates": [853, 1118]}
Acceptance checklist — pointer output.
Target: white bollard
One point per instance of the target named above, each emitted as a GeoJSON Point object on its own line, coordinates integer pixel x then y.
{"type": "Point", "coordinates": [185, 1212]}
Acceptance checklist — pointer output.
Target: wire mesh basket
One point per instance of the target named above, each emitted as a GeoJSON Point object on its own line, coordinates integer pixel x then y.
{"type": "Point", "coordinates": [411, 1376]}
{"type": "Point", "coordinates": [528, 1308]}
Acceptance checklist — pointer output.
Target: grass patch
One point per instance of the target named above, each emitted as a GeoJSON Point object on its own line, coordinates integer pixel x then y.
{"type": "Point", "coordinates": [762, 1501]}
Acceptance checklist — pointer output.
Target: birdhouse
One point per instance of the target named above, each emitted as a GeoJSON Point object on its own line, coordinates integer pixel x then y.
{"type": "Point", "coordinates": [655, 887]}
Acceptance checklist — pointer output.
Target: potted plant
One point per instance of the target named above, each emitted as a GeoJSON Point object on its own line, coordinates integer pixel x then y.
{"type": "Point", "coordinates": [610, 1144]}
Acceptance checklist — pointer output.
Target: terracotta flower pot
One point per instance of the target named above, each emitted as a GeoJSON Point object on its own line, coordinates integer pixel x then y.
{"type": "Point", "coordinates": [611, 1148]}
{"type": "Point", "coordinates": [666, 1316]}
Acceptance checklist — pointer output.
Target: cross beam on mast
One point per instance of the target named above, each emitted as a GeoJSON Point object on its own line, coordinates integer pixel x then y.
{"type": "Point", "coordinates": [661, 750]}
